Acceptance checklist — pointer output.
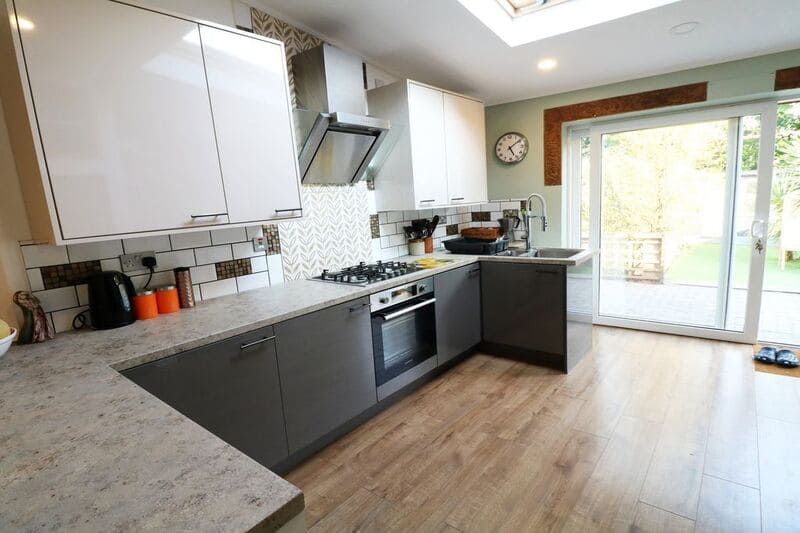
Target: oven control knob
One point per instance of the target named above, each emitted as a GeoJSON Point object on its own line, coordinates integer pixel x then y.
{"type": "Point", "coordinates": [422, 288]}
{"type": "Point", "coordinates": [384, 300]}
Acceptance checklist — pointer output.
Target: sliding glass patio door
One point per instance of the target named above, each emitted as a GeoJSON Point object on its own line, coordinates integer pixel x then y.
{"type": "Point", "coordinates": [679, 209]}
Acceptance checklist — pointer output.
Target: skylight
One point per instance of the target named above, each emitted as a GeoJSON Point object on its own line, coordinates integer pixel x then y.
{"type": "Point", "coordinates": [520, 22]}
{"type": "Point", "coordinates": [517, 8]}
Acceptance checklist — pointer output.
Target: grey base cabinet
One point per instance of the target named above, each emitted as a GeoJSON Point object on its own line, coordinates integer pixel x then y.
{"type": "Point", "coordinates": [231, 388]}
{"type": "Point", "coordinates": [458, 311]}
{"type": "Point", "coordinates": [524, 310]}
{"type": "Point", "coordinates": [327, 370]}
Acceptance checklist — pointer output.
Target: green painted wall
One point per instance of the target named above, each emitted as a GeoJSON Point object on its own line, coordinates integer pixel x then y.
{"type": "Point", "coordinates": [727, 81]}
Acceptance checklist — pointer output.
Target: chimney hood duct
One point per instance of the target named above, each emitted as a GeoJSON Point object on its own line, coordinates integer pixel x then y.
{"type": "Point", "coordinates": [340, 141]}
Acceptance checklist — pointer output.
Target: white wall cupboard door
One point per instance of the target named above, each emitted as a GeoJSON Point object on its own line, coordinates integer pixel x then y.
{"type": "Point", "coordinates": [465, 138]}
{"type": "Point", "coordinates": [122, 106]}
{"type": "Point", "coordinates": [426, 118]}
{"type": "Point", "coordinates": [250, 102]}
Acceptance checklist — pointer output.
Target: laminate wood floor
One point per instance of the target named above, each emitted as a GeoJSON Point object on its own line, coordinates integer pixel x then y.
{"type": "Point", "coordinates": [649, 433]}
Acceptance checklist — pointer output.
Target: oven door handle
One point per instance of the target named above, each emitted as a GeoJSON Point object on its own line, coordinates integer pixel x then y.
{"type": "Point", "coordinates": [406, 310]}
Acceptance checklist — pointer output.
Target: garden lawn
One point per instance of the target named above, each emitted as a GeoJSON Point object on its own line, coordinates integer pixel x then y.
{"type": "Point", "coordinates": [699, 264]}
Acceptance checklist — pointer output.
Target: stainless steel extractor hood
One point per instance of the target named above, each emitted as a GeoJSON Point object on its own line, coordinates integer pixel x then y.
{"type": "Point", "coordinates": [338, 139]}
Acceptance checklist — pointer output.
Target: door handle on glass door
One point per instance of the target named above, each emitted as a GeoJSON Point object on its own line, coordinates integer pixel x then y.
{"type": "Point", "coordinates": [757, 229]}
{"type": "Point", "coordinates": [759, 246]}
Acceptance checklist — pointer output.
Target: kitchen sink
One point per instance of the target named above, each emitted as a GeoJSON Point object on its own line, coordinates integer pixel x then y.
{"type": "Point", "coordinates": [546, 253]}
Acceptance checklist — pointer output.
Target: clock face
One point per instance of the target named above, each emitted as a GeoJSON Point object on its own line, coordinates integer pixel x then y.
{"type": "Point", "coordinates": [511, 147]}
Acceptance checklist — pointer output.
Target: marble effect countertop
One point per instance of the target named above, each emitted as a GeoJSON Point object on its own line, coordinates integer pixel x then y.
{"type": "Point", "coordinates": [83, 448]}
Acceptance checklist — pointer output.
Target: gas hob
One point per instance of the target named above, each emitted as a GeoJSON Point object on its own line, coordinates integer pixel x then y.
{"type": "Point", "coordinates": [364, 274]}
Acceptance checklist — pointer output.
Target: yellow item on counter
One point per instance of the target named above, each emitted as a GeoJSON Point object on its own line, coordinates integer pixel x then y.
{"type": "Point", "coordinates": [5, 330]}
{"type": "Point", "coordinates": [431, 262]}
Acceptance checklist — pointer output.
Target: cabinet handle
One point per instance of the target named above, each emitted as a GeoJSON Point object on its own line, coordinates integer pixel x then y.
{"type": "Point", "coordinates": [426, 201]}
{"type": "Point", "coordinates": [288, 210]}
{"type": "Point", "coordinates": [358, 307]}
{"type": "Point", "coordinates": [474, 271]}
{"type": "Point", "coordinates": [254, 343]}
{"type": "Point", "coordinates": [457, 199]}
{"type": "Point", "coordinates": [209, 215]}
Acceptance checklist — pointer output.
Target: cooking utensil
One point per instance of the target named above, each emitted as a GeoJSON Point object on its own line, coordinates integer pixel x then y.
{"type": "Point", "coordinates": [434, 223]}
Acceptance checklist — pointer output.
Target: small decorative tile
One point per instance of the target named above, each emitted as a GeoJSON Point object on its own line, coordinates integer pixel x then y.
{"type": "Point", "coordinates": [481, 216]}
{"type": "Point", "coordinates": [522, 204]}
{"type": "Point", "coordinates": [273, 239]}
{"type": "Point", "coordinates": [452, 229]}
{"type": "Point", "coordinates": [233, 268]}
{"type": "Point", "coordinates": [374, 226]}
{"type": "Point", "coordinates": [56, 276]}
{"type": "Point", "coordinates": [510, 212]}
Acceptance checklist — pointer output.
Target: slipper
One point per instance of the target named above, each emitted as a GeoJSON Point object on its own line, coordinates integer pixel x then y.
{"type": "Point", "coordinates": [766, 355]}
{"type": "Point", "coordinates": [786, 358]}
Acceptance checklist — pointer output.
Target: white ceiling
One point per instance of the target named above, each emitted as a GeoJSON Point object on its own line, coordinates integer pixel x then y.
{"type": "Point", "coordinates": [441, 43]}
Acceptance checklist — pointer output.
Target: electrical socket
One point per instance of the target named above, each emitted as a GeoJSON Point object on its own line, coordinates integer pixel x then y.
{"type": "Point", "coordinates": [132, 262]}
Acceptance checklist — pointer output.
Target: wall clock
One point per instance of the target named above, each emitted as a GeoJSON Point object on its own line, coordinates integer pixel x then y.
{"type": "Point", "coordinates": [511, 147]}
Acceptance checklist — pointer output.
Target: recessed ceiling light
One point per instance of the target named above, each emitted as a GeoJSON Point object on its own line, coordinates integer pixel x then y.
{"type": "Point", "coordinates": [684, 27]}
{"type": "Point", "coordinates": [547, 64]}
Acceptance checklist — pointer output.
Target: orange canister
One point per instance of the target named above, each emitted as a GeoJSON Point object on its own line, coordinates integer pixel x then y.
{"type": "Point", "coordinates": [167, 298]}
{"type": "Point", "coordinates": [145, 305]}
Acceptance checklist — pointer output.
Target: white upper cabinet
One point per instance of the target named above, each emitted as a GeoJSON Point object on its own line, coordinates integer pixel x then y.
{"type": "Point", "coordinates": [439, 149]}
{"type": "Point", "coordinates": [428, 145]}
{"type": "Point", "coordinates": [122, 108]}
{"type": "Point", "coordinates": [150, 123]}
{"type": "Point", "coordinates": [465, 146]}
{"type": "Point", "coordinates": [250, 102]}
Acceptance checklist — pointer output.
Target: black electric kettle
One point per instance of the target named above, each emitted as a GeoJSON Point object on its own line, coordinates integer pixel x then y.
{"type": "Point", "coordinates": [110, 300]}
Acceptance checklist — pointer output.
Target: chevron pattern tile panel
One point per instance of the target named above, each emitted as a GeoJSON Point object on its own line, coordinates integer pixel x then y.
{"type": "Point", "coordinates": [333, 233]}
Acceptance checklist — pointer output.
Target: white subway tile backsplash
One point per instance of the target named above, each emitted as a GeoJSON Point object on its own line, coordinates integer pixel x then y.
{"type": "Point", "coordinates": [385, 242]}
{"type": "Point", "coordinates": [228, 235]}
{"type": "Point", "coordinates": [159, 279]}
{"type": "Point", "coordinates": [275, 266]}
{"type": "Point", "coordinates": [38, 255]}
{"type": "Point", "coordinates": [249, 282]}
{"type": "Point", "coordinates": [215, 289]}
{"type": "Point", "coordinates": [388, 229]}
{"type": "Point", "coordinates": [242, 250]}
{"type": "Point", "coordinates": [158, 243]}
{"type": "Point", "coordinates": [491, 206]}
{"type": "Point", "coordinates": [83, 294]}
{"type": "Point", "coordinates": [181, 241]}
{"type": "Point", "coordinates": [203, 274]}
{"type": "Point", "coordinates": [509, 205]}
{"type": "Point", "coordinates": [110, 264]}
{"type": "Point", "coordinates": [396, 240]}
{"type": "Point", "coordinates": [62, 320]}
{"type": "Point", "coordinates": [393, 252]}
{"type": "Point", "coordinates": [57, 299]}
{"type": "Point", "coordinates": [91, 251]}
{"type": "Point", "coordinates": [197, 296]}
{"type": "Point", "coordinates": [170, 260]}
{"type": "Point", "coordinates": [394, 216]}
{"type": "Point", "coordinates": [383, 218]}
{"type": "Point", "coordinates": [35, 279]}
{"type": "Point", "coordinates": [213, 254]}
{"type": "Point", "coordinates": [254, 231]}
{"type": "Point", "coordinates": [258, 264]}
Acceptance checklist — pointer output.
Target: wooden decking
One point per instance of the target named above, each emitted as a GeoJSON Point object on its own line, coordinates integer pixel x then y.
{"type": "Point", "coordinates": [649, 433]}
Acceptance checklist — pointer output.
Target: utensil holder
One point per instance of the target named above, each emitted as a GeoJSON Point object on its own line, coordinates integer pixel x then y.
{"type": "Point", "coordinates": [416, 247]}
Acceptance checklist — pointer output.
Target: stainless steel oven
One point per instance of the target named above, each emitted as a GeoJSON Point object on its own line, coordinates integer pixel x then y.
{"type": "Point", "coordinates": [403, 334]}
